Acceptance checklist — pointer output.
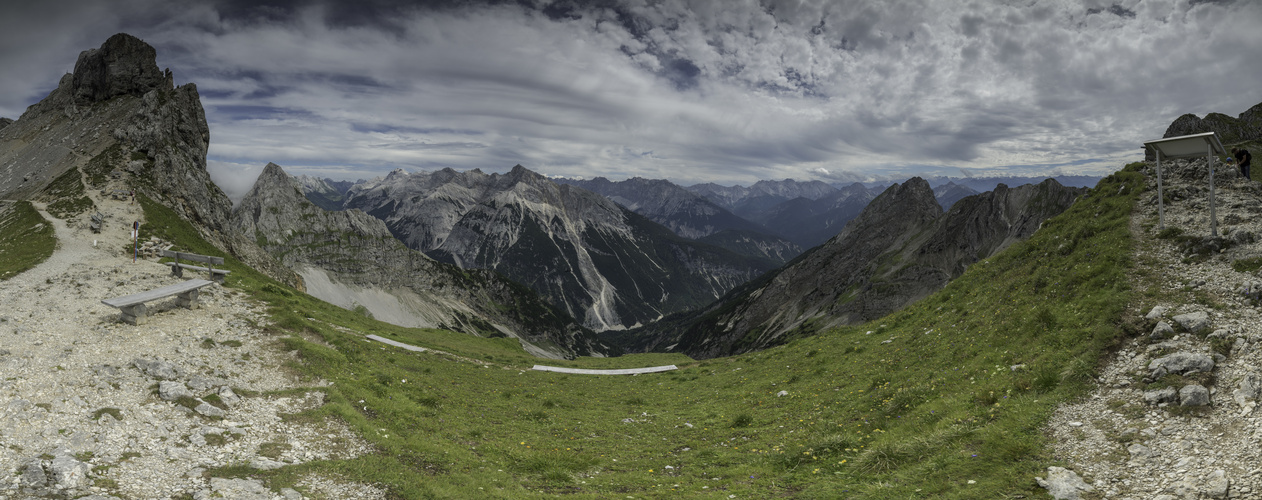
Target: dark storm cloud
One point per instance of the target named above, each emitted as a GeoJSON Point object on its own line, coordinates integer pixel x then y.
{"type": "Point", "coordinates": [691, 90]}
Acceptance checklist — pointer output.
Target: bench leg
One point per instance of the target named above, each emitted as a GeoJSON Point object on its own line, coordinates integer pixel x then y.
{"type": "Point", "coordinates": [176, 270]}
{"type": "Point", "coordinates": [135, 315]}
{"type": "Point", "coordinates": [217, 277]}
{"type": "Point", "coordinates": [187, 299]}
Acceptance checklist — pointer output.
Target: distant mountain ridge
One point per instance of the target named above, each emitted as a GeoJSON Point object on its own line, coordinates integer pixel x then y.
{"type": "Point", "coordinates": [343, 254]}
{"type": "Point", "coordinates": [325, 193]}
{"type": "Point", "coordinates": [692, 216]}
{"type": "Point", "coordinates": [901, 248]}
{"type": "Point", "coordinates": [599, 261]}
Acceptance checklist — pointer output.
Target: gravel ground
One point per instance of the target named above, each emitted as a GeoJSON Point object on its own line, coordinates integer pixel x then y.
{"type": "Point", "coordinates": [81, 412]}
{"type": "Point", "coordinates": [1128, 447]}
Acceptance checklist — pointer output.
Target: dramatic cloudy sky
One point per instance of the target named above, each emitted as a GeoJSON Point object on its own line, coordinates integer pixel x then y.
{"type": "Point", "coordinates": [730, 91]}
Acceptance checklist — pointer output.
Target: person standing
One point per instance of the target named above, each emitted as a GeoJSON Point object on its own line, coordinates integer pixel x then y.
{"type": "Point", "coordinates": [1243, 158]}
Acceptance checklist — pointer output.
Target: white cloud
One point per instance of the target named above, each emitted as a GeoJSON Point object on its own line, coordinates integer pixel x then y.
{"type": "Point", "coordinates": [703, 90]}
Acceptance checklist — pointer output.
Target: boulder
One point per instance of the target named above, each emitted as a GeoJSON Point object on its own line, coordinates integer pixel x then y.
{"type": "Point", "coordinates": [228, 397]}
{"type": "Point", "coordinates": [1063, 484]}
{"type": "Point", "coordinates": [1163, 395]}
{"type": "Point", "coordinates": [1193, 322]}
{"type": "Point", "coordinates": [1156, 312]}
{"type": "Point", "coordinates": [1181, 363]}
{"type": "Point", "coordinates": [33, 475]}
{"type": "Point", "coordinates": [1193, 395]}
{"type": "Point", "coordinates": [157, 368]}
{"type": "Point", "coordinates": [209, 410]}
{"type": "Point", "coordinates": [68, 473]}
{"type": "Point", "coordinates": [1247, 389]}
{"type": "Point", "coordinates": [1163, 330]}
{"type": "Point", "coordinates": [1216, 485]}
{"type": "Point", "coordinates": [170, 390]}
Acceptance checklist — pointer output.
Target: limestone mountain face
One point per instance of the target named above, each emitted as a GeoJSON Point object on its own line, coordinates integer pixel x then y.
{"type": "Point", "coordinates": [598, 261]}
{"type": "Point", "coordinates": [350, 258]}
{"type": "Point", "coordinates": [118, 117]}
{"type": "Point", "coordinates": [901, 248]}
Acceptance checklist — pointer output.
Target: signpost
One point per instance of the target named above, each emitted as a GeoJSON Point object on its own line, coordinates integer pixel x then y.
{"type": "Point", "coordinates": [135, 238]}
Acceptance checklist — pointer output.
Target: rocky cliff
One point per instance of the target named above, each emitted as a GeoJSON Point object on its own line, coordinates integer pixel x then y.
{"type": "Point", "coordinates": [344, 255]}
{"type": "Point", "coordinates": [598, 261]}
{"type": "Point", "coordinates": [901, 248]}
{"type": "Point", "coordinates": [118, 122]}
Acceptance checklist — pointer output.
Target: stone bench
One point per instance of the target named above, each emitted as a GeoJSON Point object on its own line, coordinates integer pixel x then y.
{"type": "Point", "coordinates": [133, 306]}
{"type": "Point", "coordinates": [177, 268]}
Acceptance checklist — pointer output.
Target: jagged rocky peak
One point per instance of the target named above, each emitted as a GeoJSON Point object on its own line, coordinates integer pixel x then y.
{"type": "Point", "coordinates": [123, 65]}
{"type": "Point", "coordinates": [4, 122]}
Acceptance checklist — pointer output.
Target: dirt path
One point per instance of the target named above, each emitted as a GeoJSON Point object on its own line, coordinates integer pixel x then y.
{"type": "Point", "coordinates": [1128, 441]}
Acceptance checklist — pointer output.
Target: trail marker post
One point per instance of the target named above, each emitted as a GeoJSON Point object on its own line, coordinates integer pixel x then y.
{"type": "Point", "coordinates": [135, 238]}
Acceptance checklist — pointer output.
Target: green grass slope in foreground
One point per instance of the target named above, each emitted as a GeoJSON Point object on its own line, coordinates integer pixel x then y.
{"type": "Point", "coordinates": [936, 412]}
{"type": "Point", "coordinates": [26, 239]}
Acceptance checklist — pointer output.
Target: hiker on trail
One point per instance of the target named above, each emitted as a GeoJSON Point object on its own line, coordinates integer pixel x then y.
{"type": "Point", "coordinates": [1243, 158]}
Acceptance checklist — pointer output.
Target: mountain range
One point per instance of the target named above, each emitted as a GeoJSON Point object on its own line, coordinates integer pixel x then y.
{"type": "Point", "coordinates": [350, 259]}
{"type": "Point", "coordinates": [599, 261]}
{"type": "Point", "coordinates": [518, 254]}
{"type": "Point", "coordinates": [900, 248]}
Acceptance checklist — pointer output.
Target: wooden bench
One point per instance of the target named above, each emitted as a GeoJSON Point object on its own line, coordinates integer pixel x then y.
{"type": "Point", "coordinates": [177, 268]}
{"type": "Point", "coordinates": [133, 306]}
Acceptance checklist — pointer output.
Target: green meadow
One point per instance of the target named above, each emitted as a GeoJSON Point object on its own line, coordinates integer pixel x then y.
{"type": "Point", "coordinates": [26, 238]}
{"type": "Point", "coordinates": [945, 399]}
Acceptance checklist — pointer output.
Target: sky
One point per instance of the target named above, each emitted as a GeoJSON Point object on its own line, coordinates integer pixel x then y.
{"type": "Point", "coordinates": [726, 91]}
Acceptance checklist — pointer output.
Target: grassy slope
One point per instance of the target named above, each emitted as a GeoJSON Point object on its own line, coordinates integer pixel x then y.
{"type": "Point", "coordinates": [936, 412]}
{"type": "Point", "coordinates": [26, 239]}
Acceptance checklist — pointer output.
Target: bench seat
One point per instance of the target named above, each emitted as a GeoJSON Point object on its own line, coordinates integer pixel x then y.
{"type": "Point", "coordinates": [133, 306]}
{"type": "Point", "coordinates": [215, 274]}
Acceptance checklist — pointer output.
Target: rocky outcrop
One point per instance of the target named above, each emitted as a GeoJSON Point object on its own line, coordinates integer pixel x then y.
{"type": "Point", "coordinates": [5, 122]}
{"type": "Point", "coordinates": [118, 117]}
{"type": "Point", "coordinates": [596, 260]}
{"type": "Point", "coordinates": [1243, 128]}
{"type": "Point", "coordinates": [899, 250]}
{"type": "Point", "coordinates": [123, 65]}
{"type": "Point", "coordinates": [351, 249]}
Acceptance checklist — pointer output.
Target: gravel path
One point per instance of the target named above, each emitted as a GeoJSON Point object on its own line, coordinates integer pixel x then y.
{"type": "Point", "coordinates": [1126, 439]}
{"type": "Point", "coordinates": [91, 406]}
